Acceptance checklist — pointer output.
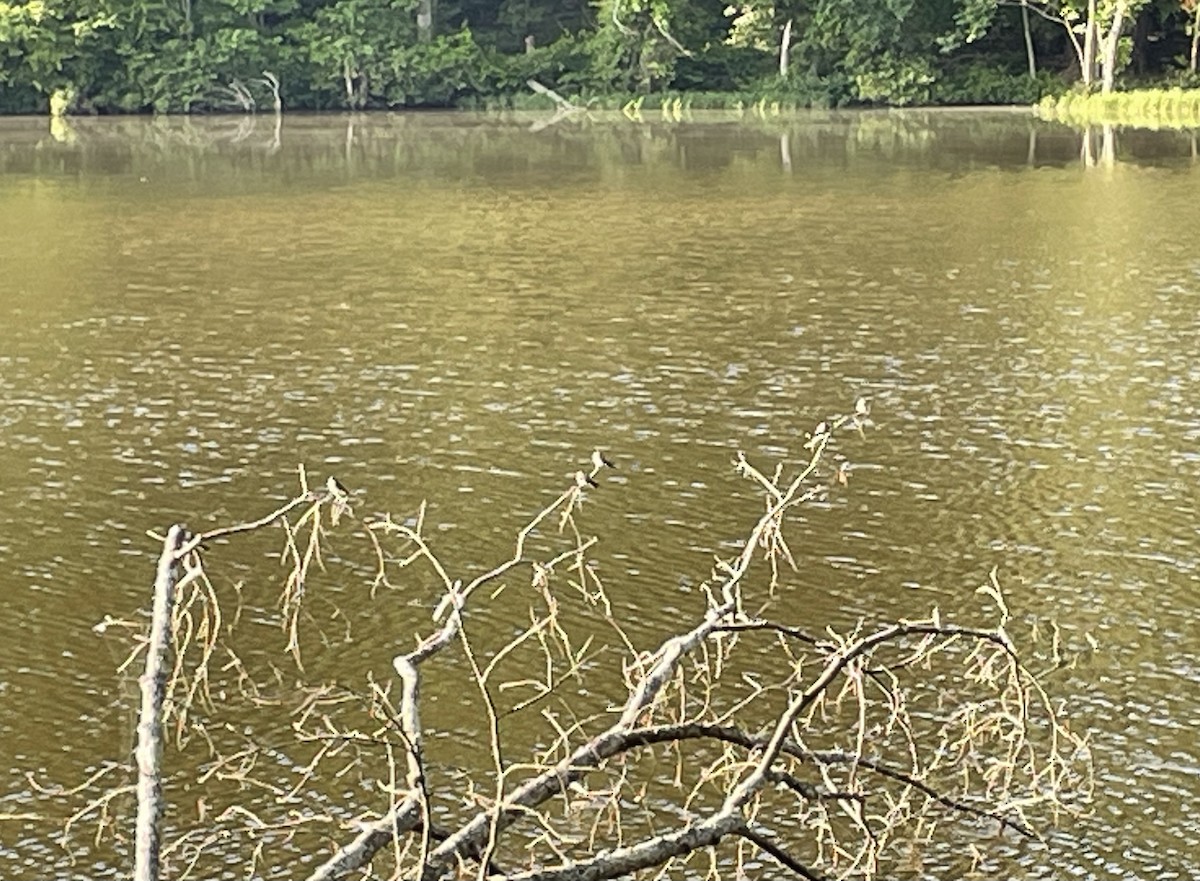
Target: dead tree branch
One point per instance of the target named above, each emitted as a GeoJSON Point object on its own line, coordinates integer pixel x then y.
{"type": "Point", "coordinates": [740, 732]}
{"type": "Point", "coordinates": [153, 686]}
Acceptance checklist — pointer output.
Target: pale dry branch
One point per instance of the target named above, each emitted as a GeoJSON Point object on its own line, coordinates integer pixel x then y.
{"type": "Point", "coordinates": [739, 736]}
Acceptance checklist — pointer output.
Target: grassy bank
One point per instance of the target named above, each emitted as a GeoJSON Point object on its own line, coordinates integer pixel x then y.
{"type": "Point", "coordinates": [1141, 108]}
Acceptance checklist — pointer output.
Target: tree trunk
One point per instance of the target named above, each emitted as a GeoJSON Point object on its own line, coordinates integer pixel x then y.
{"type": "Point", "coordinates": [785, 47]}
{"type": "Point", "coordinates": [1029, 56]}
{"type": "Point", "coordinates": [1089, 44]}
{"type": "Point", "coordinates": [1108, 58]}
{"type": "Point", "coordinates": [1195, 38]}
{"type": "Point", "coordinates": [348, 81]}
{"type": "Point", "coordinates": [425, 20]}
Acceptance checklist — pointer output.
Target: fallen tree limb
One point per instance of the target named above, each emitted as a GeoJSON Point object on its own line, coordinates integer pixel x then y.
{"type": "Point", "coordinates": [730, 735]}
{"type": "Point", "coordinates": [563, 103]}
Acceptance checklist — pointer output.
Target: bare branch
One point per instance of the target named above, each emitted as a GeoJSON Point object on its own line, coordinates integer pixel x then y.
{"type": "Point", "coordinates": [766, 845]}
{"type": "Point", "coordinates": [817, 747]}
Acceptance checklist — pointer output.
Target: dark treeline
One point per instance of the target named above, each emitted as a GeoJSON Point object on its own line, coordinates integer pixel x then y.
{"type": "Point", "coordinates": [200, 55]}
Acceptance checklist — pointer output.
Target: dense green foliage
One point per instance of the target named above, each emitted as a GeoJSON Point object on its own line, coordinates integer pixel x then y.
{"type": "Point", "coordinates": [192, 55]}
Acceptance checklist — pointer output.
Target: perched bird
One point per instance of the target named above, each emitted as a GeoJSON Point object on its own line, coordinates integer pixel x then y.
{"type": "Point", "coordinates": [818, 434]}
{"type": "Point", "coordinates": [599, 460]}
{"type": "Point", "coordinates": [583, 481]}
{"type": "Point", "coordinates": [861, 407]}
{"type": "Point", "coordinates": [341, 499]}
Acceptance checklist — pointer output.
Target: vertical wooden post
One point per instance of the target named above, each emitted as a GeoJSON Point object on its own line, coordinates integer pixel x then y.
{"type": "Point", "coordinates": [149, 730]}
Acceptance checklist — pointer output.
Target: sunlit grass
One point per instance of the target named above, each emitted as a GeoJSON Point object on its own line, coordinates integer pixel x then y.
{"type": "Point", "coordinates": [1142, 108]}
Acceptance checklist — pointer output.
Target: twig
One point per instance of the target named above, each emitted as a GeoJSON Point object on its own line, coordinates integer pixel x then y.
{"type": "Point", "coordinates": [766, 845]}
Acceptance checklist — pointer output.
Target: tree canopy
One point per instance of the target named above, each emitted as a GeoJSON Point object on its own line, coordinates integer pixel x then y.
{"type": "Point", "coordinates": [197, 55]}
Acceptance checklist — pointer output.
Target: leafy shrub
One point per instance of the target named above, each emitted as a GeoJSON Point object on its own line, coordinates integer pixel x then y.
{"type": "Point", "coordinates": [565, 65]}
{"type": "Point", "coordinates": [982, 83]}
{"type": "Point", "coordinates": [895, 80]}
{"type": "Point", "coordinates": [433, 74]}
{"type": "Point", "coordinates": [807, 89]}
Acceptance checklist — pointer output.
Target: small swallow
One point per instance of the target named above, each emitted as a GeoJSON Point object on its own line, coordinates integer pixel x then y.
{"type": "Point", "coordinates": [583, 481]}
{"type": "Point", "coordinates": [341, 500]}
{"type": "Point", "coordinates": [817, 436]}
{"type": "Point", "coordinates": [599, 460]}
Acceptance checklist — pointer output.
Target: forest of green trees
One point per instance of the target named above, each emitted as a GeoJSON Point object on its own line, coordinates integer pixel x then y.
{"type": "Point", "coordinates": [121, 56]}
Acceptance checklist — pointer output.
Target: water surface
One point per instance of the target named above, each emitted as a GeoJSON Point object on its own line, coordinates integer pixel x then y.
{"type": "Point", "coordinates": [459, 309]}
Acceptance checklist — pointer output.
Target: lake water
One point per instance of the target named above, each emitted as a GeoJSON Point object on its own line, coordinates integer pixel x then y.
{"type": "Point", "coordinates": [458, 309]}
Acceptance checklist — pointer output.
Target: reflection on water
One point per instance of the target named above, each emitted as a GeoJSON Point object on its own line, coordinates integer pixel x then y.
{"type": "Point", "coordinates": [458, 145]}
{"type": "Point", "coordinates": [460, 309]}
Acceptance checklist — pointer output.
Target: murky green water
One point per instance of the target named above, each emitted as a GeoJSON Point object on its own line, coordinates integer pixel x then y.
{"type": "Point", "coordinates": [460, 309]}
